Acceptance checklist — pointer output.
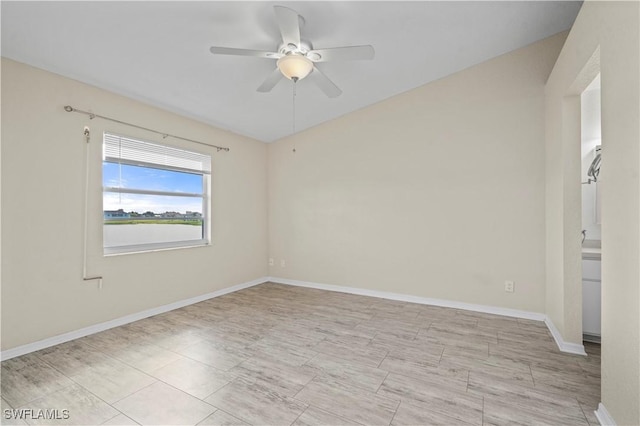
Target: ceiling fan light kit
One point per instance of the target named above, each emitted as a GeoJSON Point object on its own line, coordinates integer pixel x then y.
{"type": "Point", "coordinates": [296, 58]}
{"type": "Point", "coordinates": [295, 67]}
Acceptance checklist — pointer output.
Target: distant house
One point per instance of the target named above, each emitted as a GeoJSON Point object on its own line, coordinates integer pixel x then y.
{"type": "Point", "coordinates": [192, 215]}
{"type": "Point", "coordinates": [116, 214]}
{"type": "Point", "coordinates": [172, 215]}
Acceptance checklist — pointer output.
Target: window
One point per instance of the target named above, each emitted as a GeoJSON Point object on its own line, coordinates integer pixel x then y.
{"type": "Point", "coordinates": [154, 196]}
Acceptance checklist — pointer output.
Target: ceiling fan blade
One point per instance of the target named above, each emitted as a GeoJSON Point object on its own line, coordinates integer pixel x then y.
{"type": "Point", "coordinates": [323, 82]}
{"type": "Point", "coordinates": [288, 21]}
{"type": "Point", "coordinates": [217, 50]}
{"type": "Point", "coordinates": [347, 53]}
{"type": "Point", "coordinates": [271, 81]}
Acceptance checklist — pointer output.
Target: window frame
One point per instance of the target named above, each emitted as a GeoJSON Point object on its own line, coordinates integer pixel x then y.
{"type": "Point", "coordinates": [205, 196]}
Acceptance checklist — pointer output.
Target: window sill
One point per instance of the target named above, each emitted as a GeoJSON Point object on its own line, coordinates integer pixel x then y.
{"type": "Point", "coordinates": [121, 251]}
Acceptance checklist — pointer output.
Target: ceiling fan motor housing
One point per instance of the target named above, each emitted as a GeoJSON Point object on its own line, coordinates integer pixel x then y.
{"type": "Point", "coordinates": [303, 49]}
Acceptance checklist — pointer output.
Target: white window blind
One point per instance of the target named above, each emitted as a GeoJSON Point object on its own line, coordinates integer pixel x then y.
{"type": "Point", "coordinates": [125, 150]}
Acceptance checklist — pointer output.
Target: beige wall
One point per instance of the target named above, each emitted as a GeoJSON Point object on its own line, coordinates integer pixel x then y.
{"type": "Point", "coordinates": [604, 34]}
{"type": "Point", "coordinates": [42, 203]}
{"type": "Point", "coordinates": [437, 192]}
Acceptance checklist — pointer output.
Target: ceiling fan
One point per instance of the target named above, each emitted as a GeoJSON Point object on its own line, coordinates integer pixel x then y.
{"type": "Point", "coordinates": [296, 57]}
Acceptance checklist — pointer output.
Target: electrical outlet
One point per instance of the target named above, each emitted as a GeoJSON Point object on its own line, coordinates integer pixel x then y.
{"type": "Point", "coordinates": [509, 286]}
{"type": "Point", "coordinates": [283, 263]}
{"type": "Point", "coordinates": [271, 261]}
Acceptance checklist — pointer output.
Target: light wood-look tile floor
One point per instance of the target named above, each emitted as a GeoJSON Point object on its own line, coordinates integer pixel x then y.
{"type": "Point", "coordinates": [280, 355]}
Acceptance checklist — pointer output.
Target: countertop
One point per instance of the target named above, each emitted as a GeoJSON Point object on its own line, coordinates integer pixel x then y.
{"type": "Point", "coordinates": [591, 250]}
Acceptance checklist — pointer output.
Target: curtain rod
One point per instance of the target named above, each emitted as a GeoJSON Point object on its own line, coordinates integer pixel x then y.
{"type": "Point", "coordinates": [91, 115]}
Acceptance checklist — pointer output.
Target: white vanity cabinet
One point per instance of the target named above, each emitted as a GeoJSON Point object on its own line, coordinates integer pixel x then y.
{"type": "Point", "coordinates": [591, 295]}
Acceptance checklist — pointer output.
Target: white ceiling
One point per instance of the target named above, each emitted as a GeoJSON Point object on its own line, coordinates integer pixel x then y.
{"type": "Point", "coordinates": [158, 52]}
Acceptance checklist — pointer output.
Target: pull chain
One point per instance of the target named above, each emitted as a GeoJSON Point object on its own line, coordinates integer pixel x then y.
{"type": "Point", "coordinates": [293, 106]}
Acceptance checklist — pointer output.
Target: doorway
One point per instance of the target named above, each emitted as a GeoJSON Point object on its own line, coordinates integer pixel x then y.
{"type": "Point", "coordinates": [591, 160]}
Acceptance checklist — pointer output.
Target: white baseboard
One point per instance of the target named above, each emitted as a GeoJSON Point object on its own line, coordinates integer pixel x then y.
{"type": "Point", "coordinates": [96, 328]}
{"type": "Point", "coordinates": [572, 348]}
{"type": "Point", "coordinates": [603, 416]}
{"type": "Point", "coordinates": [415, 299]}
{"type": "Point", "coordinates": [72, 335]}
